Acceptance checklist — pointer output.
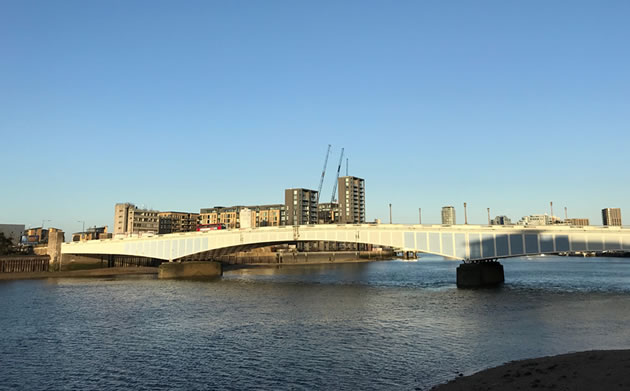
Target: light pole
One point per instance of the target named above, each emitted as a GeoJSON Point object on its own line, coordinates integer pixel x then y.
{"type": "Point", "coordinates": [551, 206]}
{"type": "Point", "coordinates": [566, 216]}
{"type": "Point", "coordinates": [465, 214]}
{"type": "Point", "coordinates": [419, 215]}
{"type": "Point", "coordinates": [489, 223]}
{"type": "Point", "coordinates": [81, 221]}
{"type": "Point", "coordinates": [44, 221]}
{"type": "Point", "coordinates": [390, 213]}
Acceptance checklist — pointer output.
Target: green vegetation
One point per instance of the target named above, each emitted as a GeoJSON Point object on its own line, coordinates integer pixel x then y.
{"type": "Point", "coordinates": [6, 246]}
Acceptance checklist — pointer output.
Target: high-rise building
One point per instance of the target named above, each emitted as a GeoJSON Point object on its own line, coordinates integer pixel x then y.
{"type": "Point", "coordinates": [611, 216]}
{"type": "Point", "coordinates": [129, 219]}
{"type": "Point", "coordinates": [170, 222]}
{"type": "Point", "coordinates": [351, 200]}
{"type": "Point", "coordinates": [448, 215]}
{"type": "Point", "coordinates": [301, 206]}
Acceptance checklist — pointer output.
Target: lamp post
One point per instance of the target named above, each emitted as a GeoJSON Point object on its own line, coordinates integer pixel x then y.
{"type": "Point", "coordinates": [419, 215]}
{"type": "Point", "coordinates": [465, 214]}
{"type": "Point", "coordinates": [44, 221]}
{"type": "Point", "coordinates": [390, 213]}
{"type": "Point", "coordinates": [551, 207]}
{"type": "Point", "coordinates": [489, 222]}
{"type": "Point", "coordinates": [81, 221]}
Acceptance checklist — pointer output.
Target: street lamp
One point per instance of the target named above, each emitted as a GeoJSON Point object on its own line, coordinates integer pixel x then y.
{"type": "Point", "coordinates": [44, 221]}
{"type": "Point", "coordinates": [390, 213]}
{"type": "Point", "coordinates": [81, 221]}
{"type": "Point", "coordinates": [465, 214]}
{"type": "Point", "coordinates": [419, 215]}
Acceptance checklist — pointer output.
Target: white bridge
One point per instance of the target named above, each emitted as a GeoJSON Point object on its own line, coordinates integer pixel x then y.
{"type": "Point", "coordinates": [465, 242]}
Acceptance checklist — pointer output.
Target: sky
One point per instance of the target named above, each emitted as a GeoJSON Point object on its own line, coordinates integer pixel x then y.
{"type": "Point", "coordinates": [506, 105]}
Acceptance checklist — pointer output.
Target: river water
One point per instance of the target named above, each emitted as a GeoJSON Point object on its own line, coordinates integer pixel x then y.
{"type": "Point", "coordinates": [380, 325]}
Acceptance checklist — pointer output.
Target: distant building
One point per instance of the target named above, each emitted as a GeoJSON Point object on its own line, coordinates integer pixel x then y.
{"type": "Point", "coordinates": [170, 222]}
{"type": "Point", "coordinates": [301, 206]}
{"type": "Point", "coordinates": [501, 220]}
{"type": "Point", "coordinates": [448, 215]}
{"type": "Point", "coordinates": [12, 232]}
{"type": "Point", "coordinates": [328, 213]}
{"type": "Point", "coordinates": [611, 216]}
{"type": "Point", "coordinates": [351, 200]}
{"type": "Point", "coordinates": [535, 220]}
{"type": "Point", "coordinates": [91, 234]}
{"type": "Point", "coordinates": [36, 235]}
{"type": "Point", "coordinates": [272, 215]}
{"type": "Point", "coordinates": [576, 221]}
{"type": "Point", "coordinates": [129, 219]}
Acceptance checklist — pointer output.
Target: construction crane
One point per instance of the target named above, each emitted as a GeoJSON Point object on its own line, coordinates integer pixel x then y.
{"type": "Point", "coordinates": [321, 181]}
{"type": "Point", "coordinates": [332, 199]}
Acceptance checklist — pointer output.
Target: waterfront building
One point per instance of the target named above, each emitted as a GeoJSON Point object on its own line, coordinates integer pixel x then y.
{"type": "Point", "coordinates": [272, 215]}
{"type": "Point", "coordinates": [351, 200]}
{"type": "Point", "coordinates": [328, 213]}
{"type": "Point", "coordinates": [535, 220]}
{"type": "Point", "coordinates": [92, 234]}
{"type": "Point", "coordinates": [501, 220]}
{"type": "Point", "coordinates": [577, 221]}
{"type": "Point", "coordinates": [12, 232]}
{"type": "Point", "coordinates": [129, 219]}
{"type": "Point", "coordinates": [35, 235]}
{"type": "Point", "coordinates": [170, 222]}
{"type": "Point", "coordinates": [611, 216]}
{"type": "Point", "coordinates": [301, 206]}
{"type": "Point", "coordinates": [448, 215]}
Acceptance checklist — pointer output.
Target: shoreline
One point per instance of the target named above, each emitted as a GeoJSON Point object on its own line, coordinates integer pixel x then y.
{"type": "Point", "coordinates": [100, 272]}
{"type": "Point", "coordinates": [588, 370]}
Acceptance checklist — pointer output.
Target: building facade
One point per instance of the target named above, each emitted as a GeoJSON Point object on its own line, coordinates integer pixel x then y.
{"type": "Point", "coordinates": [535, 220]}
{"type": "Point", "coordinates": [611, 216]}
{"type": "Point", "coordinates": [576, 221]}
{"type": "Point", "coordinates": [93, 233]}
{"type": "Point", "coordinates": [448, 215]}
{"type": "Point", "coordinates": [351, 200]}
{"type": "Point", "coordinates": [301, 206]}
{"type": "Point", "coordinates": [170, 222]}
{"type": "Point", "coordinates": [501, 220]}
{"type": "Point", "coordinates": [129, 219]}
{"type": "Point", "coordinates": [328, 213]}
{"type": "Point", "coordinates": [272, 215]}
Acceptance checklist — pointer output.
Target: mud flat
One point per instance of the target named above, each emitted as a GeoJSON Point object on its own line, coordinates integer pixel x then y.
{"type": "Point", "coordinates": [591, 370]}
{"type": "Point", "coordinates": [105, 272]}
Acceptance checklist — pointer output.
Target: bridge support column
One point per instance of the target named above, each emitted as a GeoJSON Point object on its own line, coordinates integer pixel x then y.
{"type": "Point", "coordinates": [190, 270]}
{"type": "Point", "coordinates": [480, 274]}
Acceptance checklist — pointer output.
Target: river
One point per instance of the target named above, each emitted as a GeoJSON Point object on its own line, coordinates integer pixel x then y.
{"type": "Point", "coordinates": [380, 325]}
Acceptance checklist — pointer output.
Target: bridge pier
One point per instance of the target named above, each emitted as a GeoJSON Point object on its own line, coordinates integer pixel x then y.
{"type": "Point", "coordinates": [191, 269]}
{"type": "Point", "coordinates": [480, 274]}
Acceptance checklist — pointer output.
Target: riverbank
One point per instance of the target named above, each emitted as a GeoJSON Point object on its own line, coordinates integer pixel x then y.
{"type": "Point", "coordinates": [590, 370]}
{"type": "Point", "coordinates": [105, 272]}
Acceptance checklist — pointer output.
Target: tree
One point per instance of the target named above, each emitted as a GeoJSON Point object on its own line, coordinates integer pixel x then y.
{"type": "Point", "coordinates": [6, 246]}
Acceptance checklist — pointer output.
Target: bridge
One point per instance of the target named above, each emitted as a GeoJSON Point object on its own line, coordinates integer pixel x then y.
{"type": "Point", "coordinates": [464, 242]}
{"type": "Point", "coordinates": [477, 245]}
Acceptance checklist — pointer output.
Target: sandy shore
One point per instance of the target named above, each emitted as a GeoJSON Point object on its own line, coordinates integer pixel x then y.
{"type": "Point", "coordinates": [591, 370]}
{"type": "Point", "coordinates": [105, 272]}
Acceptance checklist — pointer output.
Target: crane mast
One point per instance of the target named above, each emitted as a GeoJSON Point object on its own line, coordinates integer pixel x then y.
{"type": "Point", "coordinates": [332, 199]}
{"type": "Point", "coordinates": [321, 181]}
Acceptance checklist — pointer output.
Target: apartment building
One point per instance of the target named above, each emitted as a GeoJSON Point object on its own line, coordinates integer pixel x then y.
{"type": "Point", "coordinates": [129, 219]}
{"type": "Point", "coordinates": [170, 222]}
{"type": "Point", "coordinates": [93, 233]}
{"type": "Point", "coordinates": [448, 215]}
{"type": "Point", "coordinates": [611, 216]}
{"type": "Point", "coordinates": [301, 206]}
{"type": "Point", "coordinates": [272, 215]}
{"type": "Point", "coordinates": [328, 213]}
{"type": "Point", "coordinates": [351, 200]}
{"type": "Point", "coordinates": [577, 221]}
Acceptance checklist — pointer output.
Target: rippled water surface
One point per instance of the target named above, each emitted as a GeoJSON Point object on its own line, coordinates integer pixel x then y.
{"type": "Point", "coordinates": [381, 325]}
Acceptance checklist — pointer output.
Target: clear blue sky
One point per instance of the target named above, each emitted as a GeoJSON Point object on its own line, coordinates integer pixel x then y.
{"type": "Point", "coordinates": [185, 105]}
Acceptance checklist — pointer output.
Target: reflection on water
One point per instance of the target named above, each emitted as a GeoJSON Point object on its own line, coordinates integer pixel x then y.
{"type": "Point", "coordinates": [381, 325]}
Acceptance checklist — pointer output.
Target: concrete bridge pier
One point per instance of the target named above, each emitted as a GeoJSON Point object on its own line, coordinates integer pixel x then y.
{"type": "Point", "coordinates": [480, 274]}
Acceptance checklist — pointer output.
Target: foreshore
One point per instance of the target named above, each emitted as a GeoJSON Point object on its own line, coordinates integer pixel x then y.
{"type": "Point", "coordinates": [104, 272]}
{"type": "Point", "coordinates": [590, 370]}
